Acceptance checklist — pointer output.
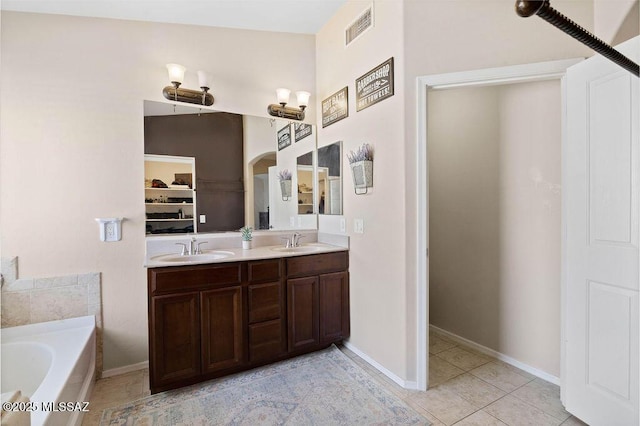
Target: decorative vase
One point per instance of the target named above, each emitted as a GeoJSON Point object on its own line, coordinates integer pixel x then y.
{"type": "Point", "coordinates": [285, 186]}
{"type": "Point", "coordinates": [362, 175]}
{"type": "Point", "coordinates": [246, 245]}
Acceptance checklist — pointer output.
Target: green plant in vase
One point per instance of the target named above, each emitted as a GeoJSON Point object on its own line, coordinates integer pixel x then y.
{"type": "Point", "coordinates": [246, 232]}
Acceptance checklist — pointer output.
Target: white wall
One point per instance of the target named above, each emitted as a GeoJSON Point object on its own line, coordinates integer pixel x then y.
{"type": "Point", "coordinates": [494, 195]}
{"type": "Point", "coordinates": [377, 257]}
{"type": "Point", "coordinates": [72, 94]}
{"type": "Point", "coordinates": [609, 18]}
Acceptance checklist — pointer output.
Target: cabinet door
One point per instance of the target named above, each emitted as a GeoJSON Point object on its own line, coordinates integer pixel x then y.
{"type": "Point", "coordinates": [222, 328]}
{"type": "Point", "coordinates": [334, 307]}
{"type": "Point", "coordinates": [302, 312]}
{"type": "Point", "coordinates": [175, 338]}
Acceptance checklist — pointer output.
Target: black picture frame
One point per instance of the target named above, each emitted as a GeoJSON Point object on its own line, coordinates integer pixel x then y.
{"type": "Point", "coordinates": [284, 137]}
{"type": "Point", "coordinates": [335, 107]}
{"type": "Point", "coordinates": [375, 85]}
{"type": "Point", "coordinates": [301, 131]}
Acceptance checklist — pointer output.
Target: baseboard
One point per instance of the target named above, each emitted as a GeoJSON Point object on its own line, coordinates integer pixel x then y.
{"type": "Point", "coordinates": [502, 357]}
{"type": "Point", "coordinates": [404, 383]}
{"type": "Point", "coordinates": [126, 369]}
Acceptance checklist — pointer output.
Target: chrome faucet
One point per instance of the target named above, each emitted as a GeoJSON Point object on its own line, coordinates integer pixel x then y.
{"type": "Point", "coordinates": [295, 239]}
{"type": "Point", "coordinates": [184, 250]}
{"type": "Point", "coordinates": [191, 248]}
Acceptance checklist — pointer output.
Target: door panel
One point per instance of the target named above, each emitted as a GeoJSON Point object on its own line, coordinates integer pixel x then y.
{"type": "Point", "coordinates": [600, 375]}
{"type": "Point", "coordinates": [609, 325]}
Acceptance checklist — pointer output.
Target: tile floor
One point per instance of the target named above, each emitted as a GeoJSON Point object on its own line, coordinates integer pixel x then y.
{"type": "Point", "coordinates": [467, 388]}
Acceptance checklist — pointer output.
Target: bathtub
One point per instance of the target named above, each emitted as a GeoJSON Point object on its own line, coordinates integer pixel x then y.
{"type": "Point", "coordinates": [51, 362]}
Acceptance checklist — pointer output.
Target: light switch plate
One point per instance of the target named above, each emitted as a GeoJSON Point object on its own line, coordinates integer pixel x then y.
{"type": "Point", "coordinates": [358, 226]}
{"type": "Point", "coordinates": [203, 218]}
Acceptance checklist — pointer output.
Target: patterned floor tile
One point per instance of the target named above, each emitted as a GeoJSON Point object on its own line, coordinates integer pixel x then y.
{"type": "Point", "coordinates": [500, 376]}
{"type": "Point", "coordinates": [437, 344]}
{"type": "Point", "coordinates": [573, 421]}
{"type": "Point", "coordinates": [480, 418]}
{"type": "Point", "coordinates": [440, 371]}
{"type": "Point", "coordinates": [424, 413]}
{"type": "Point", "coordinates": [543, 395]}
{"type": "Point", "coordinates": [515, 412]}
{"type": "Point", "coordinates": [478, 392]}
{"type": "Point", "coordinates": [464, 358]}
{"type": "Point", "coordinates": [444, 404]}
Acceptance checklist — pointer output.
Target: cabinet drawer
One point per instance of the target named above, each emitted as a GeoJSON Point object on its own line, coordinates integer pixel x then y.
{"type": "Point", "coordinates": [265, 301]}
{"type": "Point", "coordinates": [317, 264]}
{"type": "Point", "coordinates": [182, 278]}
{"type": "Point", "coordinates": [266, 340]}
{"type": "Point", "coordinates": [267, 270]}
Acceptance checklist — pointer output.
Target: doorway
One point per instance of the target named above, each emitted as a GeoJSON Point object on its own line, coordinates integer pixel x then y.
{"type": "Point", "coordinates": [472, 190]}
{"type": "Point", "coordinates": [258, 209]}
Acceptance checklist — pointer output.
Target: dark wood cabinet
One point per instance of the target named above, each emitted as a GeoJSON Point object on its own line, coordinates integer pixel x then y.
{"type": "Point", "coordinates": [334, 306]}
{"type": "Point", "coordinates": [207, 321]}
{"type": "Point", "coordinates": [317, 300]}
{"type": "Point", "coordinates": [175, 338]}
{"type": "Point", "coordinates": [266, 302]}
{"type": "Point", "coordinates": [303, 317]}
{"type": "Point", "coordinates": [222, 329]}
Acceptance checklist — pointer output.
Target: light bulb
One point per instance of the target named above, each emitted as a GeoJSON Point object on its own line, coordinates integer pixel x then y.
{"type": "Point", "coordinates": [283, 96]}
{"type": "Point", "coordinates": [203, 79]}
{"type": "Point", "coordinates": [303, 99]}
{"type": "Point", "coordinates": [176, 73]}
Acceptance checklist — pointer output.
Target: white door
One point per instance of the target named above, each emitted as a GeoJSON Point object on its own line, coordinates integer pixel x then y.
{"type": "Point", "coordinates": [600, 377]}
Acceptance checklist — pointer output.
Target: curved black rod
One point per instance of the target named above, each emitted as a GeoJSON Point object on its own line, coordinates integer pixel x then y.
{"type": "Point", "coordinates": [543, 9]}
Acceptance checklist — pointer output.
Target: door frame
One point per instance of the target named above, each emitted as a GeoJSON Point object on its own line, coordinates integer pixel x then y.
{"type": "Point", "coordinates": [539, 71]}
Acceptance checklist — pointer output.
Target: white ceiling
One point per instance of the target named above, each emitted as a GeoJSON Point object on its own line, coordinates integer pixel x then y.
{"type": "Point", "coordinates": [292, 16]}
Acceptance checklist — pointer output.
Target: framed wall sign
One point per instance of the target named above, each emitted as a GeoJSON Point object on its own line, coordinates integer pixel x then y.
{"type": "Point", "coordinates": [301, 131]}
{"type": "Point", "coordinates": [284, 137]}
{"type": "Point", "coordinates": [335, 107]}
{"type": "Point", "coordinates": [375, 86]}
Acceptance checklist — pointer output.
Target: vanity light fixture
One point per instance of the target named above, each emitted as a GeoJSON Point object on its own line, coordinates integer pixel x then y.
{"type": "Point", "coordinates": [176, 93]}
{"type": "Point", "coordinates": [291, 113]}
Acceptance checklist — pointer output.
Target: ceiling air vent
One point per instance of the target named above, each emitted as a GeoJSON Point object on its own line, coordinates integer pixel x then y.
{"type": "Point", "coordinates": [359, 26]}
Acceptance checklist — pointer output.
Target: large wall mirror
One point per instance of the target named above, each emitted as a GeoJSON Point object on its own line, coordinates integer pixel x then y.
{"type": "Point", "coordinates": [208, 171]}
{"type": "Point", "coordinates": [329, 186]}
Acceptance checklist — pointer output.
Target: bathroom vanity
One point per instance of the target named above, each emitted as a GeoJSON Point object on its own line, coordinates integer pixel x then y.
{"type": "Point", "coordinates": [209, 320]}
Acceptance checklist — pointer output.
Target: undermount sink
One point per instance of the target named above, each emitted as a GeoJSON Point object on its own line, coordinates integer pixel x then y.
{"type": "Point", "coordinates": [299, 249]}
{"type": "Point", "coordinates": [202, 257]}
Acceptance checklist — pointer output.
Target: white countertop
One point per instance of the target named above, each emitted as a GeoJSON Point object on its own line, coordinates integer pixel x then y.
{"type": "Point", "coordinates": [239, 255]}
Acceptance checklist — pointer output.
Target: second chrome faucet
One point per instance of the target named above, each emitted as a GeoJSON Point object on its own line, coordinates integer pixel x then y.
{"type": "Point", "coordinates": [191, 248]}
{"type": "Point", "coordinates": [293, 240]}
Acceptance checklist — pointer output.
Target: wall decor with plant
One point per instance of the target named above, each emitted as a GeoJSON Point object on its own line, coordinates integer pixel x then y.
{"type": "Point", "coordinates": [284, 176]}
{"type": "Point", "coordinates": [361, 162]}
